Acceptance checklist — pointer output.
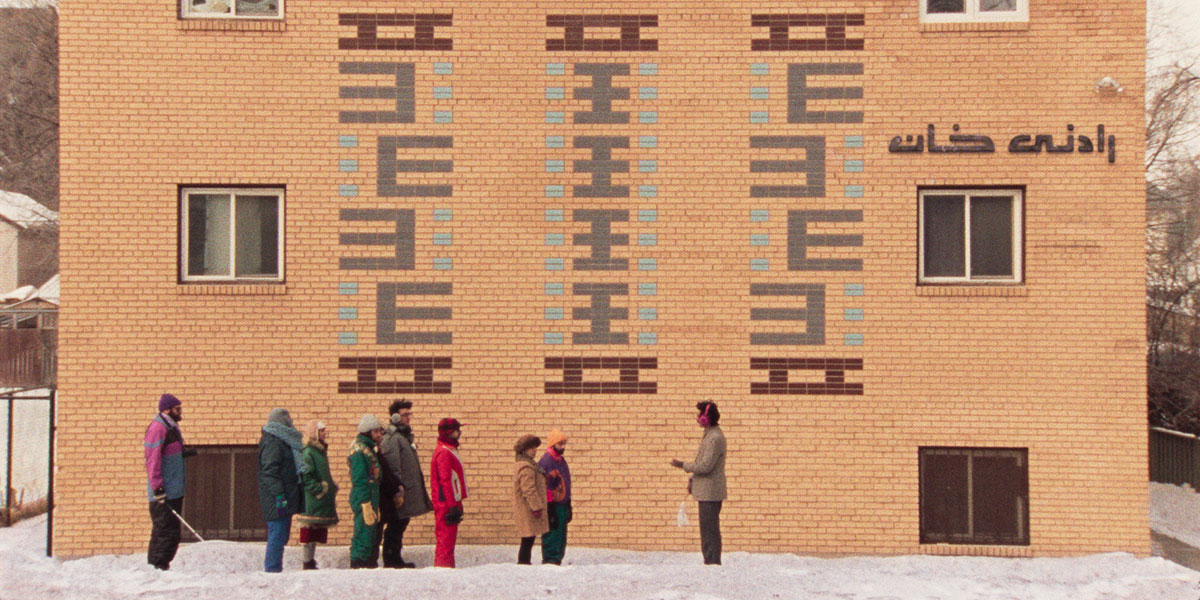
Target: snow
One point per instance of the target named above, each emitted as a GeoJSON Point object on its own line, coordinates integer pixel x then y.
{"type": "Point", "coordinates": [1175, 512]}
{"type": "Point", "coordinates": [24, 211]}
{"type": "Point", "coordinates": [228, 571]}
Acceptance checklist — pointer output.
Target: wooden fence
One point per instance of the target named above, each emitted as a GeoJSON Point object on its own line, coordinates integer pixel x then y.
{"type": "Point", "coordinates": [1174, 457]}
{"type": "Point", "coordinates": [28, 357]}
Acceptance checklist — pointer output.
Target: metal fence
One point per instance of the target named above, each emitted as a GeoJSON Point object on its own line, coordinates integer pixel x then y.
{"type": "Point", "coordinates": [1174, 457]}
{"type": "Point", "coordinates": [24, 439]}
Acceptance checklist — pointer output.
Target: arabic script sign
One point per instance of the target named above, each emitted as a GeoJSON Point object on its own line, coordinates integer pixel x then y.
{"type": "Point", "coordinates": [965, 143]}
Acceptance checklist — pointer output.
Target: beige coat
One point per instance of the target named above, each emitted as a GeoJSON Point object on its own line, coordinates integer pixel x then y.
{"type": "Point", "coordinates": [529, 494]}
{"type": "Point", "coordinates": [708, 470]}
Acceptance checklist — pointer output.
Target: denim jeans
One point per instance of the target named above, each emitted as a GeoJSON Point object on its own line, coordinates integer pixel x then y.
{"type": "Point", "coordinates": [278, 532]}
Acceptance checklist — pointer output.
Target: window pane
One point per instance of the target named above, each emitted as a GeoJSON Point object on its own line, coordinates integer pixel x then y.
{"type": "Point", "coordinates": [943, 496]}
{"type": "Point", "coordinates": [944, 6]}
{"type": "Point", "coordinates": [258, 8]}
{"type": "Point", "coordinates": [991, 236]}
{"type": "Point", "coordinates": [945, 254]}
{"type": "Point", "coordinates": [257, 236]}
{"type": "Point", "coordinates": [998, 488]}
{"type": "Point", "coordinates": [208, 234]}
{"type": "Point", "coordinates": [209, 6]}
{"type": "Point", "coordinates": [997, 5]}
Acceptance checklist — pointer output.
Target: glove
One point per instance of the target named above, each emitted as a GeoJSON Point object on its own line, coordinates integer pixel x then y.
{"type": "Point", "coordinates": [454, 516]}
{"type": "Point", "coordinates": [189, 452]}
{"type": "Point", "coordinates": [553, 520]}
{"type": "Point", "coordinates": [160, 496]}
{"type": "Point", "coordinates": [678, 464]}
{"type": "Point", "coordinates": [570, 513]}
{"type": "Point", "coordinates": [369, 516]}
{"type": "Point", "coordinates": [689, 486]}
{"type": "Point", "coordinates": [398, 499]}
{"type": "Point", "coordinates": [537, 514]}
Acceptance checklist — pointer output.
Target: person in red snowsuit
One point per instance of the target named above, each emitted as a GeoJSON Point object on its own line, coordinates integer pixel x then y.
{"type": "Point", "coordinates": [448, 486]}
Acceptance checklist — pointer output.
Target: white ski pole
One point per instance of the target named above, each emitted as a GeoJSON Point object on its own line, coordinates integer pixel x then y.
{"type": "Point", "coordinates": [185, 523]}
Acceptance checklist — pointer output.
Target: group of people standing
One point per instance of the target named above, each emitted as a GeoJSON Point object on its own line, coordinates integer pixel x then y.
{"type": "Point", "coordinates": [388, 487]}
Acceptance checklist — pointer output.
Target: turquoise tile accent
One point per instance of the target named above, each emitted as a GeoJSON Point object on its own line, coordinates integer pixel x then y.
{"type": "Point", "coordinates": [554, 239]}
{"type": "Point", "coordinates": [555, 141]}
{"type": "Point", "coordinates": [854, 289]}
{"type": "Point", "coordinates": [647, 141]}
{"type": "Point", "coordinates": [647, 239]}
{"type": "Point", "coordinates": [555, 166]}
{"type": "Point", "coordinates": [854, 314]}
{"type": "Point", "coordinates": [348, 165]}
{"type": "Point", "coordinates": [555, 191]}
{"type": "Point", "coordinates": [443, 264]}
{"type": "Point", "coordinates": [347, 190]}
{"type": "Point", "coordinates": [443, 239]}
{"type": "Point", "coordinates": [443, 116]}
{"type": "Point", "coordinates": [553, 338]}
{"type": "Point", "coordinates": [647, 289]}
{"type": "Point", "coordinates": [443, 214]}
{"type": "Point", "coordinates": [554, 289]}
{"type": "Point", "coordinates": [647, 338]}
{"type": "Point", "coordinates": [648, 314]}
{"type": "Point", "coordinates": [854, 339]}
{"type": "Point", "coordinates": [554, 117]}
{"type": "Point", "coordinates": [760, 69]}
{"type": "Point", "coordinates": [648, 93]}
{"type": "Point", "coordinates": [648, 215]}
{"type": "Point", "coordinates": [648, 69]}
{"type": "Point", "coordinates": [348, 289]}
{"type": "Point", "coordinates": [648, 191]}
{"type": "Point", "coordinates": [855, 191]}
{"type": "Point", "coordinates": [854, 141]}
{"type": "Point", "coordinates": [647, 264]}
{"type": "Point", "coordinates": [348, 141]}
{"type": "Point", "coordinates": [647, 166]}
{"type": "Point", "coordinates": [555, 214]}
{"type": "Point", "coordinates": [442, 68]}
{"type": "Point", "coordinates": [759, 93]}
{"type": "Point", "coordinates": [760, 116]}
{"type": "Point", "coordinates": [760, 239]}
{"type": "Point", "coordinates": [555, 93]}
{"type": "Point", "coordinates": [854, 166]}
{"type": "Point", "coordinates": [556, 69]}
{"type": "Point", "coordinates": [443, 92]}
{"type": "Point", "coordinates": [554, 313]}
{"type": "Point", "coordinates": [347, 338]}
{"type": "Point", "coordinates": [554, 264]}
{"type": "Point", "coordinates": [759, 215]}
{"type": "Point", "coordinates": [647, 116]}
{"type": "Point", "coordinates": [760, 264]}
{"type": "Point", "coordinates": [347, 314]}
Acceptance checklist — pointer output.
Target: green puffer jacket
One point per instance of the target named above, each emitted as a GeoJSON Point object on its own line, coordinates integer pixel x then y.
{"type": "Point", "coordinates": [320, 492]}
{"type": "Point", "coordinates": [364, 478]}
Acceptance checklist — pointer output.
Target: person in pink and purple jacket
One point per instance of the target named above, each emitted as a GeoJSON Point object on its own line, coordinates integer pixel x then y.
{"type": "Point", "coordinates": [164, 480]}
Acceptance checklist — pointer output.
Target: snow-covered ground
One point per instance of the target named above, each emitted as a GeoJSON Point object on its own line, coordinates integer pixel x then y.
{"type": "Point", "coordinates": [1175, 512]}
{"type": "Point", "coordinates": [228, 571]}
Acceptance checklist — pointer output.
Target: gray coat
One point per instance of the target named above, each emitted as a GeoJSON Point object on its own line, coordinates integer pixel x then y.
{"type": "Point", "coordinates": [400, 464]}
{"type": "Point", "coordinates": [708, 470]}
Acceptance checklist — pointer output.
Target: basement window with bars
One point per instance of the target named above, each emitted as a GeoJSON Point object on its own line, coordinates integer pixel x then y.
{"type": "Point", "coordinates": [232, 235]}
{"type": "Point", "coordinates": [222, 499]}
{"type": "Point", "coordinates": [974, 496]}
{"type": "Point", "coordinates": [970, 236]}
{"type": "Point", "coordinates": [231, 9]}
{"type": "Point", "coordinates": [966, 11]}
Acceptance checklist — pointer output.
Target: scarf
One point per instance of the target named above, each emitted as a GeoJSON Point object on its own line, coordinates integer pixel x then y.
{"type": "Point", "coordinates": [292, 437]}
{"type": "Point", "coordinates": [536, 467]}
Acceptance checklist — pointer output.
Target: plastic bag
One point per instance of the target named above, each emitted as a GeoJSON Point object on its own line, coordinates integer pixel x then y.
{"type": "Point", "coordinates": [681, 519]}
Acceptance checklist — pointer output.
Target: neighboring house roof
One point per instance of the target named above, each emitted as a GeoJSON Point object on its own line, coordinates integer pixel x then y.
{"type": "Point", "coordinates": [23, 211]}
{"type": "Point", "coordinates": [20, 294]}
{"type": "Point", "coordinates": [47, 293]}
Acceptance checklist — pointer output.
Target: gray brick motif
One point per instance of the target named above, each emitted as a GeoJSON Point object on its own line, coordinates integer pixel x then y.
{"type": "Point", "coordinates": [800, 240]}
{"type": "Point", "coordinates": [388, 313]}
{"type": "Point", "coordinates": [813, 166]}
{"type": "Point", "coordinates": [601, 313]}
{"type": "Point", "coordinates": [601, 166]}
{"type": "Point", "coordinates": [601, 239]}
{"type": "Point", "coordinates": [389, 166]}
{"type": "Point", "coordinates": [601, 93]}
{"type": "Point", "coordinates": [813, 314]}
{"type": "Point", "coordinates": [404, 92]}
{"type": "Point", "coordinates": [403, 239]}
{"type": "Point", "coordinates": [799, 93]}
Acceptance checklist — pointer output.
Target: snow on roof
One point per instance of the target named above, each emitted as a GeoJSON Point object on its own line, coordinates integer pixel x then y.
{"type": "Point", "coordinates": [48, 291]}
{"type": "Point", "coordinates": [24, 211]}
{"type": "Point", "coordinates": [20, 294]}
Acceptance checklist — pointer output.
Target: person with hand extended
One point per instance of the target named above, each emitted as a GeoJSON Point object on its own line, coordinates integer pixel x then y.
{"type": "Point", "coordinates": [707, 483]}
{"type": "Point", "coordinates": [364, 494]}
{"type": "Point", "coordinates": [280, 467]}
{"type": "Point", "coordinates": [164, 451]}
{"type": "Point", "coordinates": [448, 486]}
{"type": "Point", "coordinates": [529, 496]}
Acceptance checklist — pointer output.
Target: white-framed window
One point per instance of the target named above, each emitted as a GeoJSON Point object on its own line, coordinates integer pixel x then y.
{"type": "Point", "coordinates": [231, 234]}
{"type": "Point", "coordinates": [970, 236]}
{"type": "Point", "coordinates": [231, 9]}
{"type": "Point", "coordinates": [958, 11]}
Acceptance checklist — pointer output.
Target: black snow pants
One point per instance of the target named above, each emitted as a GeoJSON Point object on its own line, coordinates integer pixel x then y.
{"type": "Point", "coordinates": [164, 534]}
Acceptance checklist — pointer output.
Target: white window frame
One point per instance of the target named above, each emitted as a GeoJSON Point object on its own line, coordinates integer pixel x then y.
{"type": "Point", "coordinates": [972, 14]}
{"type": "Point", "coordinates": [185, 231]}
{"type": "Point", "coordinates": [1018, 235]}
{"type": "Point", "coordinates": [185, 12]}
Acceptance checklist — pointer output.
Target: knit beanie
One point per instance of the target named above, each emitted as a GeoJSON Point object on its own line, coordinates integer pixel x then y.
{"type": "Point", "coordinates": [448, 424]}
{"type": "Point", "coordinates": [526, 442]}
{"type": "Point", "coordinates": [281, 416]}
{"type": "Point", "coordinates": [167, 402]}
{"type": "Point", "coordinates": [555, 437]}
{"type": "Point", "coordinates": [368, 424]}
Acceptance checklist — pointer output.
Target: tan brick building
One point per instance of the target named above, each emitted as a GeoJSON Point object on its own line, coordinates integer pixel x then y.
{"type": "Point", "coordinates": [923, 338]}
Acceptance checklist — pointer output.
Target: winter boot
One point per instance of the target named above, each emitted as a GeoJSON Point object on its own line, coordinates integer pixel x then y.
{"type": "Point", "coordinates": [358, 564]}
{"type": "Point", "coordinates": [309, 566]}
{"type": "Point", "coordinates": [407, 565]}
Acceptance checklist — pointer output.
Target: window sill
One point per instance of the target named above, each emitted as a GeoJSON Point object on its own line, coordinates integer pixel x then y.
{"type": "Point", "coordinates": [976, 550]}
{"type": "Point", "coordinates": [232, 289]}
{"type": "Point", "coordinates": [974, 26]}
{"type": "Point", "coordinates": [194, 24]}
{"type": "Point", "coordinates": [972, 290]}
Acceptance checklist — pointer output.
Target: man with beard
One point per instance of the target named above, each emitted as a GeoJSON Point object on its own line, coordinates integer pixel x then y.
{"type": "Point", "coordinates": [164, 480]}
{"type": "Point", "coordinates": [402, 488]}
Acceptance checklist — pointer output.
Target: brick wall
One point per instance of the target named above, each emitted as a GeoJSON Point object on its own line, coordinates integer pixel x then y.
{"type": "Point", "coordinates": [1055, 365]}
